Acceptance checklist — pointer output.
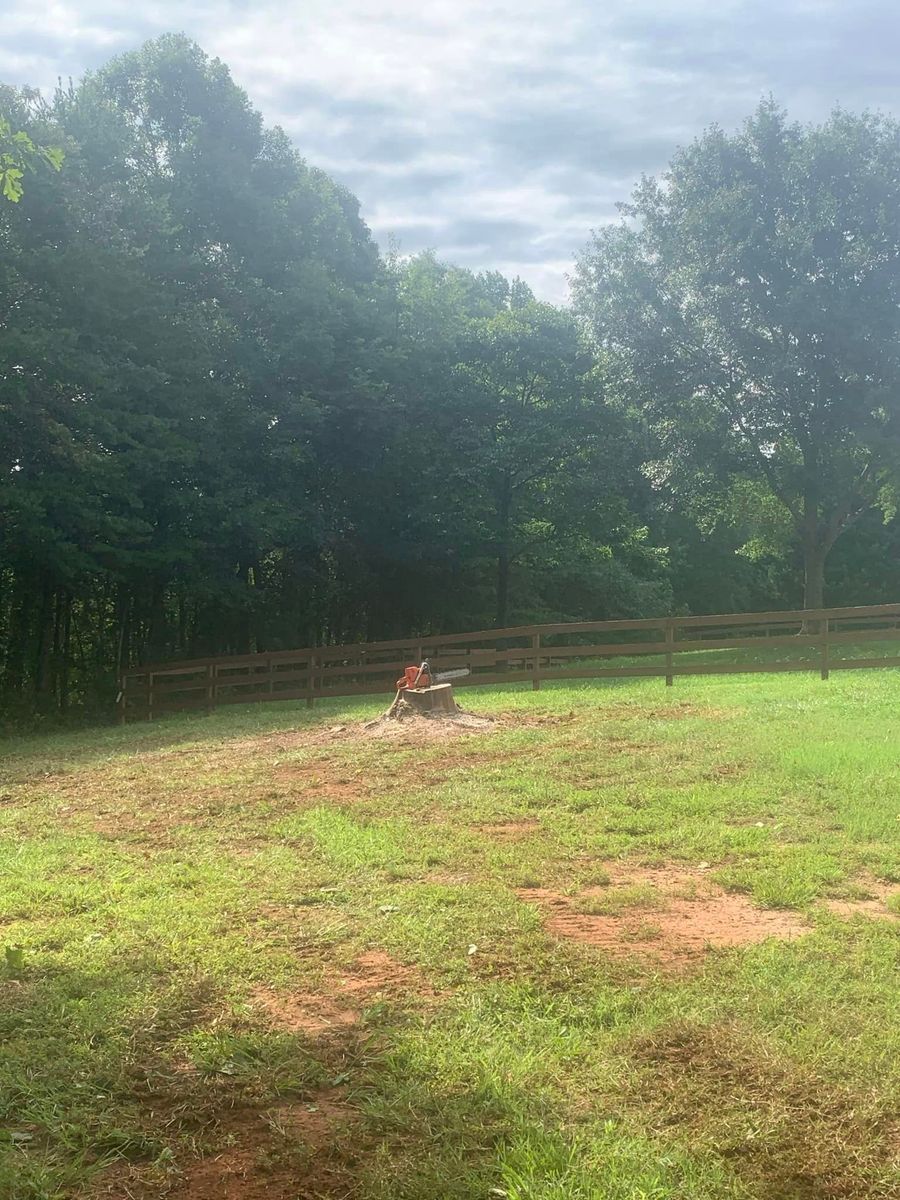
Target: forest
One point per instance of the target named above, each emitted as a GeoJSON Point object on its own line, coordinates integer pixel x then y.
{"type": "Point", "coordinates": [230, 423]}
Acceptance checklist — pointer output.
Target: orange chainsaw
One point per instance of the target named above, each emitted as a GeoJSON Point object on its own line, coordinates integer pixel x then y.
{"type": "Point", "coordinates": [423, 677]}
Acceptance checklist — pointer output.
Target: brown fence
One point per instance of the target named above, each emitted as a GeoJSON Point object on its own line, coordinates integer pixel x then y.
{"type": "Point", "coordinates": [820, 639]}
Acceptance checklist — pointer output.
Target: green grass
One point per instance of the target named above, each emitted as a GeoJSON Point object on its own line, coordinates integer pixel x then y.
{"type": "Point", "coordinates": [178, 886]}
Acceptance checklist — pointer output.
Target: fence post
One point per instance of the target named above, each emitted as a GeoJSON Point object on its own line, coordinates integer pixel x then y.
{"type": "Point", "coordinates": [825, 625]}
{"type": "Point", "coordinates": [536, 651]}
{"type": "Point", "coordinates": [311, 681]}
{"type": "Point", "coordinates": [670, 643]}
{"type": "Point", "coordinates": [149, 695]}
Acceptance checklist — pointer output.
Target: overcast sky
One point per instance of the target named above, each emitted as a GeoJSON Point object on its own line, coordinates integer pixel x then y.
{"type": "Point", "coordinates": [496, 132]}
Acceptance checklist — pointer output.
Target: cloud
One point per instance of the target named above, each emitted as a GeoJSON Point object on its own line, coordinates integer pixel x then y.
{"type": "Point", "coordinates": [497, 132]}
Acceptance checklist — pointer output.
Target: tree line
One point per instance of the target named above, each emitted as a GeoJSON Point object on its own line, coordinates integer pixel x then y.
{"type": "Point", "coordinates": [229, 424]}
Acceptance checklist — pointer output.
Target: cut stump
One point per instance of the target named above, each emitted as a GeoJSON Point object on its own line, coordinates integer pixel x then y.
{"type": "Point", "coordinates": [434, 701]}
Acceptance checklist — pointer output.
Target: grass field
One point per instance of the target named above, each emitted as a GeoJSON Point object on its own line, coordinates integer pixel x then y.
{"type": "Point", "coordinates": [628, 943]}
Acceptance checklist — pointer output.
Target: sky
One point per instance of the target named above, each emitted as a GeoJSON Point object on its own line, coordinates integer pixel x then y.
{"type": "Point", "coordinates": [498, 133]}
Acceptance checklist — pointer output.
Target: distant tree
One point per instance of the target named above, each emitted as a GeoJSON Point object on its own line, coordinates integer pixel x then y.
{"type": "Point", "coordinates": [227, 425]}
{"type": "Point", "coordinates": [519, 478]}
{"type": "Point", "coordinates": [749, 307]}
{"type": "Point", "coordinates": [186, 319]}
{"type": "Point", "coordinates": [529, 419]}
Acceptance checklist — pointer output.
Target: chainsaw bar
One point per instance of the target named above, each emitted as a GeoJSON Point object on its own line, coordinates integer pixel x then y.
{"type": "Point", "coordinates": [444, 676]}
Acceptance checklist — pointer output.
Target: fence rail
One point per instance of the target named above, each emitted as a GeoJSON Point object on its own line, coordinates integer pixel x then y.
{"type": "Point", "coordinates": [813, 639]}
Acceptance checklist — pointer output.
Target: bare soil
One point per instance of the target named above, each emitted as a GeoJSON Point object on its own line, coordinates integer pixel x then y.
{"type": "Point", "coordinates": [691, 916]}
{"type": "Point", "coordinates": [283, 1154]}
{"type": "Point", "coordinates": [301, 1149]}
{"type": "Point", "coordinates": [862, 908]}
{"type": "Point", "coordinates": [336, 1007]}
{"type": "Point", "coordinates": [508, 831]}
{"type": "Point", "coordinates": [872, 905]}
{"type": "Point", "coordinates": [320, 781]}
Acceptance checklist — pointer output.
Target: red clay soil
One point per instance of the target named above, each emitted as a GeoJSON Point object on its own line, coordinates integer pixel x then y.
{"type": "Point", "coordinates": [316, 1015]}
{"type": "Point", "coordinates": [338, 1006]}
{"type": "Point", "coordinates": [873, 905]}
{"type": "Point", "coordinates": [862, 908]}
{"type": "Point", "coordinates": [691, 916]}
{"type": "Point", "coordinates": [299, 1150]}
{"type": "Point", "coordinates": [322, 780]}
{"type": "Point", "coordinates": [284, 1154]}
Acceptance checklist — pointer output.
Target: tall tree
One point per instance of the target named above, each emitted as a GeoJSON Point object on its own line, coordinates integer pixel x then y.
{"type": "Point", "coordinates": [189, 308]}
{"type": "Point", "coordinates": [227, 425]}
{"type": "Point", "coordinates": [749, 306]}
{"type": "Point", "coordinates": [525, 475]}
{"type": "Point", "coordinates": [530, 425]}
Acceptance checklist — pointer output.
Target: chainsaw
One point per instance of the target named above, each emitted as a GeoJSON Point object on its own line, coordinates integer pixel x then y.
{"type": "Point", "coordinates": [423, 676]}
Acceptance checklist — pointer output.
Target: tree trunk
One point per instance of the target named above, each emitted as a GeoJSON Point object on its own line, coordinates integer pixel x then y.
{"type": "Point", "coordinates": [18, 637]}
{"type": "Point", "coordinates": [123, 645]}
{"type": "Point", "coordinates": [502, 586]}
{"type": "Point", "coordinates": [43, 651]}
{"type": "Point", "coordinates": [157, 637]}
{"type": "Point", "coordinates": [503, 554]}
{"type": "Point", "coordinates": [815, 548]}
{"type": "Point", "coordinates": [814, 556]}
{"type": "Point", "coordinates": [65, 659]}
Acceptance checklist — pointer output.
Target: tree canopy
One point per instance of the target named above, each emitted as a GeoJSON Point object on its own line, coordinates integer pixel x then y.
{"type": "Point", "coordinates": [749, 307]}
{"type": "Point", "coordinates": [228, 423]}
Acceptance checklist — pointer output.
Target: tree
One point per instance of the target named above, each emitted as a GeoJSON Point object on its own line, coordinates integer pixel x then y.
{"type": "Point", "coordinates": [18, 154]}
{"type": "Point", "coordinates": [523, 479]}
{"type": "Point", "coordinates": [749, 307]}
{"type": "Point", "coordinates": [530, 420]}
{"type": "Point", "coordinates": [227, 425]}
{"type": "Point", "coordinates": [186, 319]}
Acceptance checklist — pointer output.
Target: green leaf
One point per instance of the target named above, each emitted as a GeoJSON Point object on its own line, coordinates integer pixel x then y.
{"type": "Point", "coordinates": [12, 187]}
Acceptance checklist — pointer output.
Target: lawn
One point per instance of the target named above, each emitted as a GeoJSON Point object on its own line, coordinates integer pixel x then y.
{"type": "Point", "coordinates": [627, 943]}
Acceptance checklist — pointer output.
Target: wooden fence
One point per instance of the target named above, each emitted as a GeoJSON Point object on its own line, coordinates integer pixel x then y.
{"type": "Point", "coordinates": [803, 640]}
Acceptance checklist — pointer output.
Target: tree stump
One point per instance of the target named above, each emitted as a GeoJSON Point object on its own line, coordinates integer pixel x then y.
{"type": "Point", "coordinates": [434, 701]}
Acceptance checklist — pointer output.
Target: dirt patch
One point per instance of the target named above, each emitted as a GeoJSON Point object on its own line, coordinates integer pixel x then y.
{"type": "Point", "coordinates": [725, 771]}
{"type": "Point", "coordinates": [861, 908]}
{"type": "Point", "coordinates": [336, 1007]}
{"type": "Point", "coordinates": [437, 765]}
{"type": "Point", "coordinates": [415, 729]}
{"type": "Point", "coordinates": [318, 781]}
{"type": "Point", "coordinates": [540, 720]}
{"type": "Point", "coordinates": [679, 712]}
{"type": "Point", "coordinates": [303, 1149]}
{"type": "Point", "coordinates": [667, 877]}
{"type": "Point", "coordinates": [316, 1015]}
{"type": "Point", "coordinates": [872, 905]}
{"type": "Point", "coordinates": [285, 1153]}
{"type": "Point", "coordinates": [780, 1127]}
{"type": "Point", "coordinates": [671, 915]}
{"type": "Point", "coordinates": [314, 1121]}
{"type": "Point", "coordinates": [508, 831]}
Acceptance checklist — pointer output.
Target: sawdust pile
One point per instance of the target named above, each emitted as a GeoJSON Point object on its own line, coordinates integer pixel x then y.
{"type": "Point", "coordinates": [404, 720]}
